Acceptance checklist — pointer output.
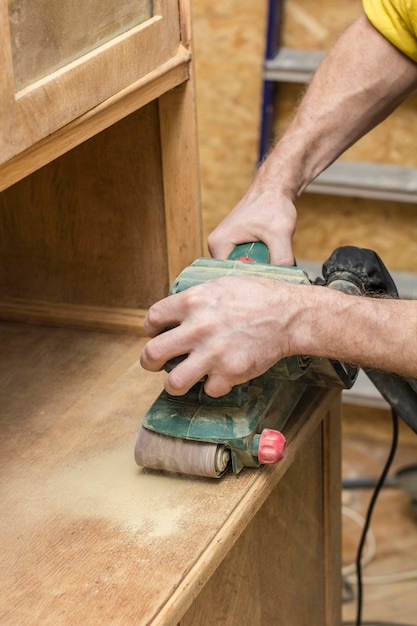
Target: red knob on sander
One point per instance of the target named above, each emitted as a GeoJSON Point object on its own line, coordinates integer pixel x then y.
{"type": "Point", "coordinates": [271, 446]}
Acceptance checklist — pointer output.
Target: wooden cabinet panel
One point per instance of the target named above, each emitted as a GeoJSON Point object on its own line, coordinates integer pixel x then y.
{"type": "Point", "coordinates": [89, 228]}
{"type": "Point", "coordinates": [35, 111]}
{"type": "Point", "coordinates": [96, 236]}
{"type": "Point", "coordinates": [46, 35]}
{"type": "Point", "coordinates": [98, 218]}
{"type": "Point", "coordinates": [271, 576]}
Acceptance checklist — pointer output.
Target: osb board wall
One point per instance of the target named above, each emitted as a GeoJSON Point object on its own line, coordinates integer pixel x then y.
{"type": "Point", "coordinates": [229, 40]}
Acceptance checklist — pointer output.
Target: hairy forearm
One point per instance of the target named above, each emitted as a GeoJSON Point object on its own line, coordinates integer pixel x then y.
{"type": "Point", "coordinates": [235, 328]}
{"type": "Point", "coordinates": [377, 333]}
{"type": "Point", "coordinates": [361, 81]}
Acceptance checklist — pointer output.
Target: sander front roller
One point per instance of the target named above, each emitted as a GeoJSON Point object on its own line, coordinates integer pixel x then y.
{"type": "Point", "coordinates": [204, 436]}
{"type": "Point", "coordinates": [161, 452]}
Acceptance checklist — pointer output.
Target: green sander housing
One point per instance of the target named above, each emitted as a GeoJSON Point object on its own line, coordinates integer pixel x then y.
{"type": "Point", "coordinates": [201, 435]}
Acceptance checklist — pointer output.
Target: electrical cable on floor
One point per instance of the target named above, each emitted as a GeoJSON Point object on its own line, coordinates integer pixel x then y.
{"type": "Point", "coordinates": [367, 557]}
{"type": "Point", "coordinates": [368, 517]}
{"type": "Point", "coordinates": [367, 483]}
{"type": "Point", "coordinates": [385, 579]}
{"type": "Point", "coordinates": [348, 593]}
{"type": "Point", "coordinates": [370, 542]}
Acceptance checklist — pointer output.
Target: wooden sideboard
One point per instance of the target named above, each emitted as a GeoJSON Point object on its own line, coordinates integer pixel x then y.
{"type": "Point", "coordinates": [99, 211]}
{"type": "Point", "coordinates": [100, 193]}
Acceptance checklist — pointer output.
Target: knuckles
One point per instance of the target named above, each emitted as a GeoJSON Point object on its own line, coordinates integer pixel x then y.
{"type": "Point", "coordinates": [152, 355]}
{"type": "Point", "coordinates": [216, 389]}
{"type": "Point", "coordinates": [152, 323]}
{"type": "Point", "coordinates": [175, 387]}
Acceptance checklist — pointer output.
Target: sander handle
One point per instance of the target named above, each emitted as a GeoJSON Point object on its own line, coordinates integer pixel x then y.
{"type": "Point", "coordinates": [254, 252]}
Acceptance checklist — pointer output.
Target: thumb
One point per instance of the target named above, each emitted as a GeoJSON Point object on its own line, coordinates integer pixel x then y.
{"type": "Point", "coordinates": [280, 252]}
{"type": "Point", "coordinates": [219, 249]}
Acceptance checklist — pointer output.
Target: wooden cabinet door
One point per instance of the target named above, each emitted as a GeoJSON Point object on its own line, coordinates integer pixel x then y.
{"type": "Point", "coordinates": [60, 59]}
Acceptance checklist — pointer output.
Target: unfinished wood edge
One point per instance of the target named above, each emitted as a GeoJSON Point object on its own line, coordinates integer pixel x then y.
{"type": "Point", "coordinates": [115, 319]}
{"type": "Point", "coordinates": [181, 179]}
{"type": "Point", "coordinates": [185, 23]}
{"type": "Point", "coordinates": [109, 46]}
{"type": "Point", "coordinates": [332, 500]}
{"type": "Point", "coordinates": [264, 480]}
{"type": "Point", "coordinates": [166, 77]}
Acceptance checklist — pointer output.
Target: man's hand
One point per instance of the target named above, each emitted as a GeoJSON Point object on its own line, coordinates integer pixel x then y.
{"type": "Point", "coordinates": [360, 82]}
{"type": "Point", "coordinates": [235, 328]}
{"type": "Point", "coordinates": [266, 216]}
{"type": "Point", "coordinates": [232, 329]}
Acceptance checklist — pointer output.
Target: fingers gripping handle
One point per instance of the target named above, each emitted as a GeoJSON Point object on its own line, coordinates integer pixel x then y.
{"type": "Point", "coordinates": [255, 252]}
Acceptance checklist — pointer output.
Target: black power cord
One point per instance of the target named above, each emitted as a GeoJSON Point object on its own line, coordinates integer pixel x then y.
{"type": "Point", "coordinates": [363, 269]}
{"type": "Point", "coordinates": [371, 506]}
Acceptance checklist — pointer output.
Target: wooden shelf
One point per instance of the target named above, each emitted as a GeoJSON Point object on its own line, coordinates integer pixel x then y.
{"type": "Point", "coordinates": [88, 533]}
{"type": "Point", "coordinates": [368, 180]}
{"type": "Point", "coordinates": [162, 80]}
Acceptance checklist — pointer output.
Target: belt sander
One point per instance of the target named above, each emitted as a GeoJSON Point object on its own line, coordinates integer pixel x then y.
{"type": "Point", "coordinates": [204, 436]}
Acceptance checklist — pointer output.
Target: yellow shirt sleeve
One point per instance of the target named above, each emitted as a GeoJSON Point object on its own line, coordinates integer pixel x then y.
{"type": "Point", "coordinates": [397, 21]}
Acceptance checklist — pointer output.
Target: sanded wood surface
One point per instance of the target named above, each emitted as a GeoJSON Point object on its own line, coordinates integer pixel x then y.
{"type": "Point", "coordinates": [87, 537]}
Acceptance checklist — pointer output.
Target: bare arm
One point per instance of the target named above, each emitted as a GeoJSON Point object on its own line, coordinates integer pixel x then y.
{"type": "Point", "coordinates": [361, 81]}
{"type": "Point", "coordinates": [235, 328]}
{"type": "Point", "coordinates": [371, 332]}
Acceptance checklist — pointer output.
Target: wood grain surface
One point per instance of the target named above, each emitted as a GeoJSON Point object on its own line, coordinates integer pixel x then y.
{"type": "Point", "coordinates": [89, 537]}
{"type": "Point", "coordinates": [84, 229]}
